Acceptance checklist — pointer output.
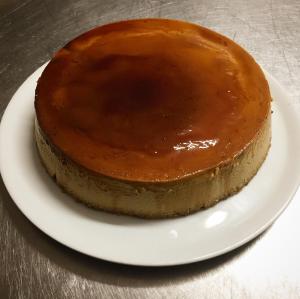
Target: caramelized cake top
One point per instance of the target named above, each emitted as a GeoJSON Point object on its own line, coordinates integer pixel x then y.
{"type": "Point", "coordinates": [151, 100]}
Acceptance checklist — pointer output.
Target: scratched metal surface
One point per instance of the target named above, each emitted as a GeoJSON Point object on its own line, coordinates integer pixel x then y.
{"type": "Point", "coordinates": [34, 266]}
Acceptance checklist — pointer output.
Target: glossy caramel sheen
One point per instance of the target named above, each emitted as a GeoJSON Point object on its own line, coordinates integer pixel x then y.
{"type": "Point", "coordinates": [151, 100]}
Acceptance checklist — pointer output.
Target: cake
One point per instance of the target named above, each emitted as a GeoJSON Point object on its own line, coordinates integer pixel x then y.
{"type": "Point", "coordinates": [152, 118]}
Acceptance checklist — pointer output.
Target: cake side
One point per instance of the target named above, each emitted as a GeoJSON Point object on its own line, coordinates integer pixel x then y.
{"type": "Point", "coordinates": [155, 200]}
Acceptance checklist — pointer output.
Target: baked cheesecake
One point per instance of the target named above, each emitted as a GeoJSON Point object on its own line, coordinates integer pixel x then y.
{"type": "Point", "coordinates": [152, 118]}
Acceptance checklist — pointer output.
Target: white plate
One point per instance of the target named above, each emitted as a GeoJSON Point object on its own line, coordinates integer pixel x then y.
{"type": "Point", "coordinates": [129, 240]}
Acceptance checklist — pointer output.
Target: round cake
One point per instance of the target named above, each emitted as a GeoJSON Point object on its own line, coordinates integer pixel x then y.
{"type": "Point", "coordinates": [152, 118]}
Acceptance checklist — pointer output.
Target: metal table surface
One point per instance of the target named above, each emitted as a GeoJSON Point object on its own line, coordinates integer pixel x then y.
{"type": "Point", "coordinates": [33, 265]}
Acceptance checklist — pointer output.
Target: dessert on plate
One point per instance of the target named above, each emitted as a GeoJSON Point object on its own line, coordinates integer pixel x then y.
{"type": "Point", "coordinates": [153, 118]}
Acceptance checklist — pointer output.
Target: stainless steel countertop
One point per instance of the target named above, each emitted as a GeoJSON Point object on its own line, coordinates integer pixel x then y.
{"type": "Point", "coordinates": [33, 265]}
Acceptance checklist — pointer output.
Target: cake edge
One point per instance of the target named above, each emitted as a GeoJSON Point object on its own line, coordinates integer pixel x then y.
{"type": "Point", "coordinates": [151, 200]}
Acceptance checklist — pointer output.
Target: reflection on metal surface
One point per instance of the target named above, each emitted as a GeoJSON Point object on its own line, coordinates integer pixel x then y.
{"type": "Point", "coordinates": [34, 266]}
